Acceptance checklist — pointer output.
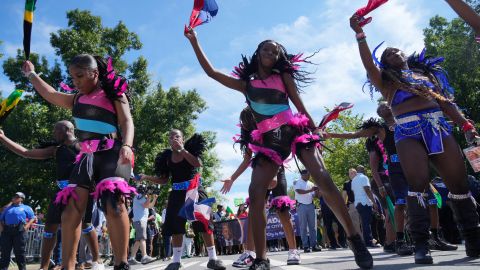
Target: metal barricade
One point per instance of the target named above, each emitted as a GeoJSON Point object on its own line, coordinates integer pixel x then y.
{"type": "Point", "coordinates": [34, 242]}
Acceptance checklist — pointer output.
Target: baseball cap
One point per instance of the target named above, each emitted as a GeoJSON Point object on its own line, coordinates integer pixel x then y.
{"type": "Point", "coordinates": [20, 194]}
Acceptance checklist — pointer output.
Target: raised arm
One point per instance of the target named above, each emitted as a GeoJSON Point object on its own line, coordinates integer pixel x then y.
{"type": "Point", "coordinates": [227, 183]}
{"type": "Point", "coordinates": [162, 180]}
{"type": "Point", "coordinates": [373, 71]}
{"type": "Point", "coordinates": [45, 90]}
{"type": "Point", "coordinates": [213, 73]}
{"type": "Point", "coordinates": [467, 13]}
{"type": "Point", "coordinates": [43, 153]}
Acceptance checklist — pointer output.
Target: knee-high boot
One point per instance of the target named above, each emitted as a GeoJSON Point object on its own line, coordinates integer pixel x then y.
{"type": "Point", "coordinates": [465, 213]}
{"type": "Point", "coordinates": [418, 225]}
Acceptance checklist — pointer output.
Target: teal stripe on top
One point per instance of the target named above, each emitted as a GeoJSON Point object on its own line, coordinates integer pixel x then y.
{"type": "Point", "coordinates": [267, 109]}
{"type": "Point", "coordinates": [94, 126]}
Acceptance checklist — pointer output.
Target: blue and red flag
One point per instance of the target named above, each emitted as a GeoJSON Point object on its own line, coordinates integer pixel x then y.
{"type": "Point", "coordinates": [203, 11]}
{"type": "Point", "coordinates": [371, 5]}
{"type": "Point", "coordinates": [193, 210]}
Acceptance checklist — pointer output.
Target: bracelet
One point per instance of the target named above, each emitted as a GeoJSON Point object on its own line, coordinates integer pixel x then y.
{"type": "Point", "coordinates": [467, 126]}
{"type": "Point", "coordinates": [362, 40]}
{"type": "Point", "coordinates": [360, 35]}
{"type": "Point", "coordinates": [30, 75]}
{"type": "Point", "coordinates": [127, 145]}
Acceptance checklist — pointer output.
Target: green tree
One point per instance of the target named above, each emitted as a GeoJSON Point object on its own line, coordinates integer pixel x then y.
{"type": "Point", "coordinates": [344, 154]}
{"type": "Point", "coordinates": [155, 110]}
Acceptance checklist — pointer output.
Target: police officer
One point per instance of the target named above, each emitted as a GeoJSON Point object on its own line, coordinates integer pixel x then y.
{"type": "Point", "coordinates": [15, 220]}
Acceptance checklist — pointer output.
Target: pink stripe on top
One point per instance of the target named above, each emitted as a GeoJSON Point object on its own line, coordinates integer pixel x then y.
{"type": "Point", "coordinates": [274, 81]}
{"type": "Point", "coordinates": [98, 98]}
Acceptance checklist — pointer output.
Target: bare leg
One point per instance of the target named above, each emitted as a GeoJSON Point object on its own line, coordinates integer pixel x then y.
{"type": "Point", "coordinates": [47, 245]}
{"type": "Point", "coordinates": [433, 216]}
{"type": "Point", "coordinates": [400, 217]}
{"type": "Point", "coordinates": [250, 240]}
{"type": "Point", "coordinates": [92, 241]}
{"type": "Point", "coordinates": [262, 174]}
{"type": "Point", "coordinates": [119, 228]}
{"type": "Point", "coordinates": [313, 161]}
{"type": "Point", "coordinates": [288, 228]}
{"type": "Point", "coordinates": [71, 221]}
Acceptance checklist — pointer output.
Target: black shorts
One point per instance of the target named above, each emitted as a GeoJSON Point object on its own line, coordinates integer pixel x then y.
{"type": "Point", "coordinates": [281, 188]}
{"type": "Point", "coordinates": [175, 224]}
{"type": "Point", "coordinates": [104, 166]}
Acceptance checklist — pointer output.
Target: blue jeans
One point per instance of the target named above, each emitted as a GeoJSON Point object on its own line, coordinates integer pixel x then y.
{"type": "Point", "coordinates": [365, 213]}
{"type": "Point", "coordinates": [307, 219]}
{"type": "Point", "coordinates": [57, 250]}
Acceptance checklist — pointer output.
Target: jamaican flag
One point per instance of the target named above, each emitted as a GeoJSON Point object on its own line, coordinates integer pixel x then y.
{"type": "Point", "coordinates": [27, 25]}
{"type": "Point", "coordinates": [8, 104]}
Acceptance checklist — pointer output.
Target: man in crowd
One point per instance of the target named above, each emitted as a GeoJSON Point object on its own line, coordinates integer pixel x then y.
{"type": "Point", "coordinates": [304, 194]}
{"type": "Point", "coordinates": [15, 221]}
{"type": "Point", "coordinates": [364, 203]}
{"type": "Point", "coordinates": [141, 204]}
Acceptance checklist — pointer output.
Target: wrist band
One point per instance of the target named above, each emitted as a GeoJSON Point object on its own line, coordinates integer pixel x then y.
{"type": "Point", "coordinates": [127, 145]}
{"type": "Point", "coordinates": [467, 126]}
{"type": "Point", "coordinates": [360, 35]}
{"type": "Point", "coordinates": [30, 75]}
{"type": "Point", "coordinates": [362, 40]}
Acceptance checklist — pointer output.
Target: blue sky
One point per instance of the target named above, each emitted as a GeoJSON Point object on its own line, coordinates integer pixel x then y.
{"type": "Point", "coordinates": [301, 26]}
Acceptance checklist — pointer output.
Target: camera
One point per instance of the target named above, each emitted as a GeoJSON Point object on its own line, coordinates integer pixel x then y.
{"type": "Point", "coordinates": [148, 190]}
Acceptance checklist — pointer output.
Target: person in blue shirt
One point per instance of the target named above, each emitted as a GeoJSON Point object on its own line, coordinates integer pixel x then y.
{"type": "Point", "coordinates": [15, 220]}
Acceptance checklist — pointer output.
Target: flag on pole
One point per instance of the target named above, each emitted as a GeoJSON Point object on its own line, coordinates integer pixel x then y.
{"type": "Point", "coordinates": [203, 12]}
{"type": "Point", "coordinates": [333, 114]}
{"type": "Point", "coordinates": [371, 5]}
{"type": "Point", "coordinates": [27, 26]}
{"type": "Point", "coordinates": [8, 104]}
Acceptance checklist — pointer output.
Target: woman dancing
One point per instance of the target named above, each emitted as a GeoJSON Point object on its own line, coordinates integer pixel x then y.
{"type": "Point", "coordinates": [419, 95]}
{"type": "Point", "coordinates": [268, 81]}
{"type": "Point", "coordinates": [101, 110]}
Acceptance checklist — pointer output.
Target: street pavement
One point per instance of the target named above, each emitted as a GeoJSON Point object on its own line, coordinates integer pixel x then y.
{"type": "Point", "coordinates": [336, 260]}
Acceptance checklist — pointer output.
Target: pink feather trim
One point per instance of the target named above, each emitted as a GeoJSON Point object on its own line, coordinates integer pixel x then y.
{"type": "Point", "coordinates": [65, 194]}
{"type": "Point", "coordinates": [257, 136]}
{"type": "Point", "coordinates": [305, 138]}
{"type": "Point", "coordinates": [299, 120]}
{"type": "Point", "coordinates": [66, 87]}
{"type": "Point", "coordinates": [112, 184]}
{"type": "Point", "coordinates": [282, 201]}
{"type": "Point", "coordinates": [272, 154]}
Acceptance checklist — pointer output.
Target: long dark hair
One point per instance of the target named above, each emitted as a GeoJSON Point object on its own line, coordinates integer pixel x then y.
{"type": "Point", "coordinates": [113, 85]}
{"type": "Point", "coordinates": [247, 125]}
{"type": "Point", "coordinates": [286, 63]}
{"type": "Point", "coordinates": [420, 64]}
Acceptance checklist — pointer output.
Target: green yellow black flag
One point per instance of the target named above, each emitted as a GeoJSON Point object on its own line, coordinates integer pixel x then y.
{"type": "Point", "coordinates": [27, 25]}
{"type": "Point", "coordinates": [8, 104]}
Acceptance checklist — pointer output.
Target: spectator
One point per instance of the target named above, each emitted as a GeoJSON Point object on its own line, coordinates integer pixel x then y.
{"type": "Point", "coordinates": [220, 214]}
{"type": "Point", "coordinates": [349, 198]}
{"type": "Point", "coordinates": [15, 221]}
{"type": "Point", "coordinates": [151, 230]}
{"type": "Point", "coordinates": [328, 219]}
{"type": "Point", "coordinates": [141, 204]}
{"type": "Point", "coordinates": [242, 211]}
{"type": "Point", "coordinates": [364, 203]}
{"type": "Point", "coordinates": [304, 193]}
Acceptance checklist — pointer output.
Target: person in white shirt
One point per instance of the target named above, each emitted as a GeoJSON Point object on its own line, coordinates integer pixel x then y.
{"type": "Point", "coordinates": [141, 204]}
{"type": "Point", "coordinates": [364, 202]}
{"type": "Point", "coordinates": [304, 193]}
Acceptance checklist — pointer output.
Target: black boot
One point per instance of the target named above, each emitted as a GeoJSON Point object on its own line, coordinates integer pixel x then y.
{"type": "Point", "coordinates": [464, 211]}
{"type": "Point", "coordinates": [122, 266]}
{"type": "Point", "coordinates": [437, 243]}
{"type": "Point", "coordinates": [418, 225]}
{"type": "Point", "coordinates": [363, 258]}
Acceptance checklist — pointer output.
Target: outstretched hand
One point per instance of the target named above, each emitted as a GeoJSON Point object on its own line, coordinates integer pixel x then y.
{"type": "Point", "coordinates": [354, 23]}
{"type": "Point", "coordinates": [227, 185]}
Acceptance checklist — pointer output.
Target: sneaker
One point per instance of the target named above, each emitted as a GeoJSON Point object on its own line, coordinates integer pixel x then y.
{"type": "Point", "coordinates": [240, 262]}
{"type": "Point", "coordinates": [147, 259]}
{"type": "Point", "coordinates": [174, 266]}
{"type": "Point", "coordinates": [122, 266]}
{"type": "Point", "coordinates": [293, 257]}
{"type": "Point", "coordinates": [216, 265]}
{"type": "Point", "coordinates": [132, 261]}
{"type": "Point", "coordinates": [403, 249]}
{"type": "Point", "coordinates": [316, 249]}
{"type": "Point", "coordinates": [87, 265]}
{"type": "Point", "coordinates": [306, 250]}
{"type": "Point", "coordinates": [98, 266]}
{"type": "Point", "coordinates": [389, 248]}
{"type": "Point", "coordinates": [436, 243]}
{"type": "Point", "coordinates": [260, 264]}
{"type": "Point", "coordinates": [363, 258]}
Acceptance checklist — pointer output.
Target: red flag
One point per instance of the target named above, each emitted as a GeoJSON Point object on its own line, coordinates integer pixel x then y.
{"type": "Point", "coordinates": [203, 11]}
{"type": "Point", "coordinates": [333, 114]}
{"type": "Point", "coordinates": [362, 12]}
